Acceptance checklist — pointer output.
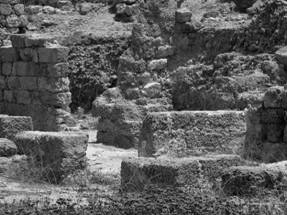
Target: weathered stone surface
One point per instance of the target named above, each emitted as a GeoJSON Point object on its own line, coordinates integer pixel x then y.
{"type": "Point", "coordinates": [158, 64]}
{"type": "Point", "coordinates": [5, 9]}
{"type": "Point", "coordinates": [61, 153]}
{"type": "Point", "coordinates": [273, 98]}
{"type": "Point", "coordinates": [281, 55]}
{"type": "Point", "coordinates": [136, 173]}
{"type": "Point", "coordinates": [183, 15]}
{"type": "Point", "coordinates": [11, 125]}
{"type": "Point", "coordinates": [257, 180]}
{"type": "Point", "coordinates": [120, 120]}
{"type": "Point", "coordinates": [7, 148]}
{"type": "Point", "coordinates": [8, 54]}
{"type": "Point", "coordinates": [192, 132]}
{"type": "Point", "coordinates": [53, 55]}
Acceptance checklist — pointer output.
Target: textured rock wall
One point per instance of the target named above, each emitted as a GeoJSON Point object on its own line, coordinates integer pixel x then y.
{"type": "Point", "coordinates": [34, 82]}
{"type": "Point", "coordinates": [266, 128]}
{"type": "Point", "coordinates": [12, 15]}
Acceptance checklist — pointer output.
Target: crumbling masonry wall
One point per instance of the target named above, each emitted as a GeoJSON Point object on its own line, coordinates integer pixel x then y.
{"type": "Point", "coordinates": [34, 82]}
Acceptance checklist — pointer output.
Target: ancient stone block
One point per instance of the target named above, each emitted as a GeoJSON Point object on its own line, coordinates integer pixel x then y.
{"type": "Point", "coordinates": [183, 15]}
{"type": "Point", "coordinates": [19, 9]}
{"type": "Point", "coordinates": [11, 125]}
{"type": "Point", "coordinates": [23, 97]}
{"type": "Point", "coordinates": [9, 96]}
{"type": "Point", "coordinates": [53, 55]}
{"type": "Point", "coordinates": [54, 85]}
{"type": "Point", "coordinates": [61, 153]}
{"type": "Point", "coordinates": [136, 173]}
{"type": "Point", "coordinates": [192, 132]}
{"type": "Point", "coordinates": [273, 98]}
{"type": "Point", "coordinates": [28, 54]}
{"type": "Point", "coordinates": [7, 69]}
{"type": "Point", "coordinates": [5, 9]}
{"type": "Point", "coordinates": [8, 54]}
{"type": "Point", "coordinates": [57, 70]}
{"type": "Point", "coordinates": [28, 83]}
{"type": "Point", "coordinates": [158, 64]}
{"type": "Point", "coordinates": [59, 100]}
{"type": "Point", "coordinates": [21, 68]}
{"type": "Point", "coordinates": [7, 148]}
{"type": "Point", "coordinates": [253, 181]}
{"type": "Point", "coordinates": [165, 51]}
{"type": "Point", "coordinates": [13, 82]}
{"type": "Point", "coordinates": [120, 120]}
{"type": "Point", "coordinates": [2, 83]}
{"type": "Point", "coordinates": [281, 55]}
{"type": "Point", "coordinates": [13, 21]}
{"type": "Point", "coordinates": [273, 116]}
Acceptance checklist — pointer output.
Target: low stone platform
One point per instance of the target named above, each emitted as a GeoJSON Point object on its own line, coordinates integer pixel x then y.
{"type": "Point", "coordinates": [255, 180]}
{"type": "Point", "coordinates": [136, 173]}
{"type": "Point", "coordinates": [187, 133]}
{"type": "Point", "coordinates": [57, 153]}
{"type": "Point", "coordinates": [11, 125]}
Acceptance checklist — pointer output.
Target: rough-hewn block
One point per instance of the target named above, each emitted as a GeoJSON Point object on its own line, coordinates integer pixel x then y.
{"type": "Point", "coordinates": [54, 85]}
{"type": "Point", "coordinates": [192, 132]}
{"type": "Point", "coordinates": [8, 54]}
{"type": "Point", "coordinates": [61, 153]}
{"type": "Point", "coordinates": [28, 54]}
{"type": "Point", "coordinates": [28, 83]}
{"type": "Point", "coordinates": [21, 68]}
{"type": "Point", "coordinates": [7, 69]}
{"type": "Point", "coordinates": [11, 125]}
{"type": "Point", "coordinates": [7, 148]}
{"type": "Point", "coordinates": [136, 173]}
{"type": "Point", "coordinates": [256, 180]}
{"type": "Point", "coordinates": [8, 96]}
{"type": "Point", "coordinates": [13, 82]}
{"type": "Point", "coordinates": [53, 55]}
{"type": "Point", "coordinates": [23, 97]}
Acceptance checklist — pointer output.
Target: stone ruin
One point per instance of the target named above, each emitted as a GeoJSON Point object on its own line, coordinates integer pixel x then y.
{"type": "Point", "coordinates": [34, 82]}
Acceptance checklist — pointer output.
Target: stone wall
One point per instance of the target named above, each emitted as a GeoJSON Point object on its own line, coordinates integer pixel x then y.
{"type": "Point", "coordinates": [34, 82]}
{"type": "Point", "coordinates": [266, 135]}
{"type": "Point", "coordinates": [12, 15]}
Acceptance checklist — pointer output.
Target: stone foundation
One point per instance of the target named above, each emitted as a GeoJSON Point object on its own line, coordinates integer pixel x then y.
{"type": "Point", "coordinates": [56, 153]}
{"type": "Point", "coordinates": [34, 82]}
{"type": "Point", "coordinates": [137, 173]}
{"type": "Point", "coordinates": [185, 133]}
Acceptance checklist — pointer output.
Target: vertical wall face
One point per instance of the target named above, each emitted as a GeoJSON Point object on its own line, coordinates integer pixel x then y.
{"type": "Point", "coordinates": [34, 82]}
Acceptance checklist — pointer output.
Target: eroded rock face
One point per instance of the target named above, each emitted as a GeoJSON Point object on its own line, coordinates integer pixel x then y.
{"type": "Point", "coordinates": [137, 173]}
{"type": "Point", "coordinates": [266, 128]}
{"type": "Point", "coordinates": [184, 133]}
{"type": "Point", "coordinates": [58, 153]}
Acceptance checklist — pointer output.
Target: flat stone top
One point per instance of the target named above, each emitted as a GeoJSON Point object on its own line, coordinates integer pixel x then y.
{"type": "Point", "coordinates": [180, 161]}
{"type": "Point", "coordinates": [62, 134]}
{"type": "Point", "coordinates": [218, 112]}
{"type": "Point", "coordinates": [3, 116]}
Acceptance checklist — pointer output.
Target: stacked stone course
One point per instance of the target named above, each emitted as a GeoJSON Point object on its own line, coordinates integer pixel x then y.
{"type": "Point", "coordinates": [12, 15]}
{"type": "Point", "coordinates": [34, 82]}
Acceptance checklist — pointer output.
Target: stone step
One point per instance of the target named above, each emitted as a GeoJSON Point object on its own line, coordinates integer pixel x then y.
{"type": "Point", "coordinates": [255, 180]}
{"type": "Point", "coordinates": [11, 125]}
{"type": "Point", "coordinates": [56, 153]}
{"type": "Point", "coordinates": [136, 173]}
{"type": "Point", "coordinates": [185, 133]}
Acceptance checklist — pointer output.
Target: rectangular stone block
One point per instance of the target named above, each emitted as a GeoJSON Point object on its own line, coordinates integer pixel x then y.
{"type": "Point", "coordinates": [60, 153]}
{"type": "Point", "coordinates": [54, 85]}
{"type": "Point", "coordinates": [13, 82]}
{"type": "Point", "coordinates": [187, 133]}
{"type": "Point", "coordinates": [53, 55]}
{"type": "Point", "coordinates": [9, 96]}
{"type": "Point", "coordinates": [11, 125]}
{"type": "Point", "coordinates": [57, 70]}
{"type": "Point", "coordinates": [18, 41]}
{"type": "Point", "coordinates": [59, 100]}
{"type": "Point", "coordinates": [136, 173]}
{"type": "Point", "coordinates": [23, 97]}
{"type": "Point", "coordinates": [8, 54]}
{"type": "Point", "coordinates": [28, 54]}
{"type": "Point", "coordinates": [7, 69]}
{"type": "Point", "coordinates": [21, 68]}
{"type": "Point", "coordinates": [28, 83]}
{"type": "Point", "coordinates": [2, 83]}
